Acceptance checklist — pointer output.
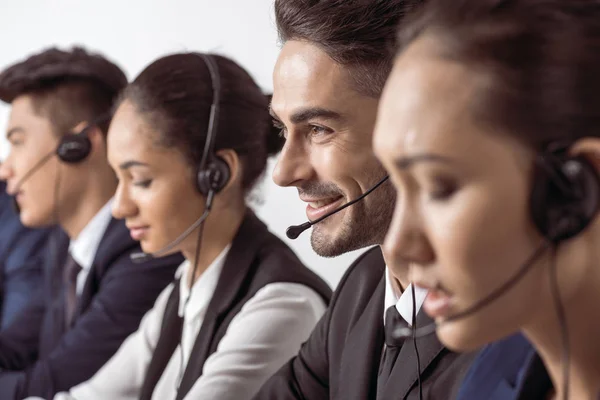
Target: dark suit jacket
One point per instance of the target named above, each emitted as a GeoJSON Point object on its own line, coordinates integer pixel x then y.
{"type": "Point", "coordinates": [40, 357]}
{"type": "Point", "coordinates": [534, 382]}
{"type": "Point", "coordinates": [341, 358]}
{"type": "Point", "coordinates": [21, 253]}
{"type": "Point", "coordinates": [256, 259]}
{"type": "Point", "coordinates": [497, 370]}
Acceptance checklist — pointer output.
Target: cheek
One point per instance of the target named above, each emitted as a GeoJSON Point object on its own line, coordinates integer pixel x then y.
{"type": "Point", "coordinates": [169, 210]}
{"type": "Point", "coordinates": [481, 239]}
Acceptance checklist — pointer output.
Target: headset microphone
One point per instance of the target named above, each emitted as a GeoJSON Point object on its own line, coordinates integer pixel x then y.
{"type": "Point", "coordinates": [33, 170]}
{"type": "Point", "coordinates": [295, 230]}
{"type": "Point", "coordinates": [142, 257]}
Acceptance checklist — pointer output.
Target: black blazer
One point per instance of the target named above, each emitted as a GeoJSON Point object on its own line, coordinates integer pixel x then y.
{"type": "Point", "coordinates": [535, 382]}
{"type": "Point", "coordinates": [256, 258]}
{"type": "Point", "coordinates": [341, 358]}
{"type": "Point", "coordinates": [39, 356]}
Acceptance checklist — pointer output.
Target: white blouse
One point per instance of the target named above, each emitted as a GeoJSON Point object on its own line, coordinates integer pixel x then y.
{"type": "Point", "coordinates": [263, 336]}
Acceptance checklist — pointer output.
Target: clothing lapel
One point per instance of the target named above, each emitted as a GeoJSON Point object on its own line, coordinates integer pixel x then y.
{"type": "Point", "coordinates": [170, 335]}
{"type": "Point", "coordinates": [59, 250]}
{"type": "Point", "coordinates": [237, 267]}
{"type": "Point", "coordinates": [362, 351]}
{"type": "Point", "coordinates": [404, 375]}
{"type": "Point", "coordinates": [116, 232]}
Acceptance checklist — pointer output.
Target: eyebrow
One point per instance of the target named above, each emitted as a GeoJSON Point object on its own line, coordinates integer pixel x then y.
{"type": "Point", "coordinates": [409, 161]}
{"type": "Point", "coordinates": [306, 114]}
{"type": "Point", "coordinates": [14, 130]}
{"type": "Point", "coordinates": [132, 163]}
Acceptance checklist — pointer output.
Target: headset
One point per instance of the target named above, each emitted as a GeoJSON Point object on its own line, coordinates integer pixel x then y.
{"type": "Point", "coordinates": [213, 172]}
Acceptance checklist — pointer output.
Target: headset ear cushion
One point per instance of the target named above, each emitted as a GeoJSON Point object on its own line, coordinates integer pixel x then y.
{"type": "Point", "coordinates": [565, 196]}
{"type": "Point", "coordinates": [74, 148]}
{"type": "Point", "coordinates": [214, 177]}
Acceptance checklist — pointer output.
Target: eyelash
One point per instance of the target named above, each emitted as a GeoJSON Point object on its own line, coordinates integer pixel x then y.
{"type": "Point", "coordinates": [281, 127]}
{"type": "Point", "coordinates": [143, 184]}
{"type": "Point", "coordinates": [444, 189]}
{"type": "Point", "coordinates": [319, 130]}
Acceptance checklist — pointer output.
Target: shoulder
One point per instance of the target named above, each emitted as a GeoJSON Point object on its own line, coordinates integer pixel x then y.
{"type": "Point", "coordinates": [277, 262]}
{"type": "Point", "coordinates": [290, 296]}
{"type": "Point", "coordinates": [497, 368]}
{"type": "Point", "coordinates": [364, 274]}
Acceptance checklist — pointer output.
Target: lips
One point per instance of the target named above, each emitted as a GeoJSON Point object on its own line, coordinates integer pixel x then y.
{"type": "Point", "coordinates": [138, 232]}
{"type": "Point", "coordinates": [316, 208]}
{"type": "Point", "coordinates": [437, 304]}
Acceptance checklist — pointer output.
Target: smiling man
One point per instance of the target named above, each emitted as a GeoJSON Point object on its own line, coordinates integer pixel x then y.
{"type": "Point", "coordinates": [335, 59]}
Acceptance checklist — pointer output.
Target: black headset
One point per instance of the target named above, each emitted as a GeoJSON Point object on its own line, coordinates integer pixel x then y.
{"type": "Point", "coordinates": [76, 147]}
{"type": "Point", "coordinates": [565, 193]}
{"type": "Point", "coordinates": [213, 172]}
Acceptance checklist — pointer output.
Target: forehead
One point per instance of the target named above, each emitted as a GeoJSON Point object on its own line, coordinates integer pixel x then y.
{"type": "Point", "coordinates": [427, 101]}
{"type": "Point", "coordinates": [305, 76]}
{"type": "Point", "coordinates": [128, 136]}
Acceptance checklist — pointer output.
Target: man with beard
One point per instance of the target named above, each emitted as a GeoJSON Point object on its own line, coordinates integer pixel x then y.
{"type": "Point", "coordinates": [335, 59]}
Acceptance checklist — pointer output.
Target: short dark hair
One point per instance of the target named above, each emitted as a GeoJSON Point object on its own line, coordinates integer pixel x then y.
{"type": "Point", "coordinates": [66, 86]}
{"type": "Point", "coordinates": [174, 94]}
{"type": "Point", "coordinates": [356, 34]}
{"type": "Point", "coordinates": [542, 58]}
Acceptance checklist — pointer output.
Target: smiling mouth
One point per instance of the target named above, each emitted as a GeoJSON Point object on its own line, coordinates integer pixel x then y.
{"type": "Point", "coordinates": [317, 208]}
{"type": "Point", "coordinates": [324, 202]}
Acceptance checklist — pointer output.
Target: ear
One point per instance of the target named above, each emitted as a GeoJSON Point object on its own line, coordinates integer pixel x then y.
{"type": "Point", "coordinates": [233, 161]}
{"type": "Point", "coordinates": [589, 148]}
{"type": "Point", "coordinates": [95, 135]}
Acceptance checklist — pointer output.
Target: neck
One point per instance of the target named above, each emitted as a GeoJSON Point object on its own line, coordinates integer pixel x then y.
{"type": "Point", "coordinates": [219, 231]}
{"type": "Point", "coordinates": [90, 199]}
{"type": "Point", "coordinates": [398, 282]}
{"type": "Point", "coordinates": [583, 328]}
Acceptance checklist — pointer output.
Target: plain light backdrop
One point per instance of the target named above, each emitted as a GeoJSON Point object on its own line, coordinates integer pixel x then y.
{"type": "Point", "coordinates": [133, 33]}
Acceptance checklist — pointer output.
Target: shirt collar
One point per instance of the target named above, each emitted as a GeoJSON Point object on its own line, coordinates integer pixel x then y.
{"type": "Point", "coordinates": [203, 289]}
{"type": "Point", "coordinates": [84, 247]}
{"type": "Point", "coordinates": [403, 301]}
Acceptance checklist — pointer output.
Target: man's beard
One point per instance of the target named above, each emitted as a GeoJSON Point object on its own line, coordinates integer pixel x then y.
{"type": "Point", "coordinates": [361, 227]}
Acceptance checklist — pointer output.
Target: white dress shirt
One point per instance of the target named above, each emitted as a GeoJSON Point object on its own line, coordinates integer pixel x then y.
{"type": "Point", "coordinates": [265, 334]}
{"type": "Point", "coordinates": [83, 248]}
{"type": "Point", "coordinates": [403, 302]}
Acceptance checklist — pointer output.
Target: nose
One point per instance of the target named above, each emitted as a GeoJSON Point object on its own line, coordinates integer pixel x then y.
{"type": "Point", "coordinates": [406, 243]}
{"type": "Point", "coordinates": [293, 165]}
{"type": "Point", "coordinates": [6, 171]}
{"type": "Point", "coordinates": [123, 206]}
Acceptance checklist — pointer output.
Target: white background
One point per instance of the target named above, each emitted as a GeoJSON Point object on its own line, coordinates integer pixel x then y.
{"type": "Point", "coordinates": [135, 32]}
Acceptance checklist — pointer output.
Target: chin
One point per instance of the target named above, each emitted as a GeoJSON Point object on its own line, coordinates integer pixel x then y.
{"type": "Point", "coordinates": [461, 337]}
{"type": "Point", "coordinates": [31, 219]}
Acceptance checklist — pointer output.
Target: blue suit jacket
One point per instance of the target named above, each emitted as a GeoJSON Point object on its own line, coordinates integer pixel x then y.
{"type": "Point", "coordinates": [498, 370]}
{"type": "Point", "coordinates": [21, 253]}
{"type": "Point", "coordinates": [40, 355]}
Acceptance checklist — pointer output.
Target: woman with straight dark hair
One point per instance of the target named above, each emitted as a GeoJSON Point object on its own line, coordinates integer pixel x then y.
{"type": "Point", "coordinates": [189, 139]}
{"type": "Point", "coordinates": [490, 129]}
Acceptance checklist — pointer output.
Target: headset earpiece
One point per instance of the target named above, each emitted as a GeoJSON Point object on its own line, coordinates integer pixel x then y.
{"type": "Point", "coordinates": [565, 195]}
{"type": "Point", "coordinates": [74, 148]}
{"type": "Point", "coordinates": [214, 176]}
{"type": "Point", "coordinates": [213, 172]}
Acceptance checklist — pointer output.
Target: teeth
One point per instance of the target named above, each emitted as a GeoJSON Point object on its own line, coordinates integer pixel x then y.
{"type": "Point", "coordinates": [320, 203]}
